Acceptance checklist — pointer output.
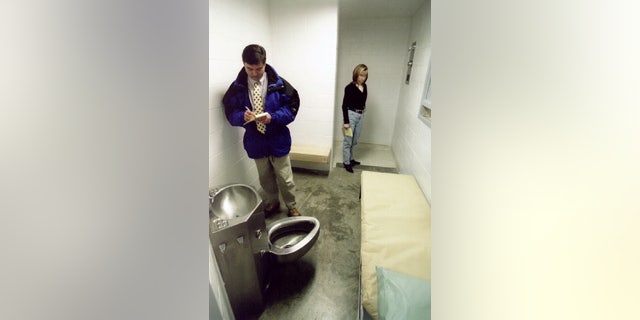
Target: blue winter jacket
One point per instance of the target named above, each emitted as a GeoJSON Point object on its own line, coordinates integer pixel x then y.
{"type": "Point", "coordinates": [281, 101]}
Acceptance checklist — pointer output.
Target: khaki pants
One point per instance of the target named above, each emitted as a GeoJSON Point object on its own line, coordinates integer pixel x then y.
{"type": "Point", "coordinates": [275, 174]}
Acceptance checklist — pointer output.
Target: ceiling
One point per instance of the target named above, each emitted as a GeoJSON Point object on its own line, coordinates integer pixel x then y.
{"type": "Point", "coordinates": [355, 9]}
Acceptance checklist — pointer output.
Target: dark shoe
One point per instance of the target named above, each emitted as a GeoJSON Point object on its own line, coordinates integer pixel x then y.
{"type": "Point", "coordinates": [272, 208]}
{"type": "Point", "coordinates": [348, 167]}
{"type": "Point", "coordinates": [354, 163]}
{"type": "Point", "coordinates": [293, 212]}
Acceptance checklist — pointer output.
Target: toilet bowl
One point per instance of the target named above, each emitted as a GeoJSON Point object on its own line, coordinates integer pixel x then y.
{"type": "Point", "coordinates": [246, 250]}
{"type": "Point", "coordinates": [291, 238]}
{"type": "Point", "coordinates": [286, 239]}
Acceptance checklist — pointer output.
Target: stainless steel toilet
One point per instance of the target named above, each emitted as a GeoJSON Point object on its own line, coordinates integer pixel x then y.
{"type": "Point", "coordinates": [288, 239]}
{"type": "Point", "coordinates": [291, 238]}
{"type": "Point", "coordinates": [245, 249]}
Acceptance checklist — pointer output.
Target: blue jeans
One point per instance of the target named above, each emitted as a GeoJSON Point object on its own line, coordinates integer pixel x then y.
{"type": "Point", "coordinates": [355, 123]}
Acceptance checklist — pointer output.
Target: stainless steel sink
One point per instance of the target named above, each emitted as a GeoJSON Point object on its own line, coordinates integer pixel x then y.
{"type": "Point", "coordinates": [238, 236]}
{"type": "Point", "coordinates": [233, 202]}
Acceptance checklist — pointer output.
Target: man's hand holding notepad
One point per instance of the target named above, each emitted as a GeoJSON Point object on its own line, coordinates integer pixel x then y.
{"type": "Point", "coordinates": [258, 116]}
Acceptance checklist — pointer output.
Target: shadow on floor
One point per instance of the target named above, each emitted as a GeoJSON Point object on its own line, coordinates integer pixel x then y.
{"type": "Point", "coordinates": [289, 280]}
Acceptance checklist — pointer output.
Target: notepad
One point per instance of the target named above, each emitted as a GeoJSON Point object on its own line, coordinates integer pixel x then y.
{"type": "Point", "coordinates": [347, 132]}
{"type": "Point", "coordinates": [258, 116]}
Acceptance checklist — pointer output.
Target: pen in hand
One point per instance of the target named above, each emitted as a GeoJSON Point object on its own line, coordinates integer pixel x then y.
{"type": "Point", "coordinates": [252, 116]}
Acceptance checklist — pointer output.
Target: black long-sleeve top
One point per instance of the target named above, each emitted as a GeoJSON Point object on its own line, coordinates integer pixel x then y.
{"type": "Point", "coordinates": [353, 99]}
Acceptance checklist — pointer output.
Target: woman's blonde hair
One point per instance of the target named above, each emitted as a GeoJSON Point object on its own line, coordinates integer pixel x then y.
{"type": "Point", "coordinates": [358, 70]}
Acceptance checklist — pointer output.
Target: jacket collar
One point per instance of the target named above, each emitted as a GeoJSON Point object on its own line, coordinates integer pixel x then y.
{"type": "Point", "coordinates": [272, 76]}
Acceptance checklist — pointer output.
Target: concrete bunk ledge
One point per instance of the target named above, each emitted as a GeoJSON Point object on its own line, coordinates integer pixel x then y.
{"type": "Point", "coordinates": [314, 159]}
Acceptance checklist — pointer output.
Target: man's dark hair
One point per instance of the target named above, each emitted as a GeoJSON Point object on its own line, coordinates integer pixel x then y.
{"type": "Point", "coordinates": [254, 54]}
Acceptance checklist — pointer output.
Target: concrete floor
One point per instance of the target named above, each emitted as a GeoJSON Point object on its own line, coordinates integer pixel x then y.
{"type": "Point", "coordinates": [324, 284]}
{"type": "Point", "coordinates": [373, 156]}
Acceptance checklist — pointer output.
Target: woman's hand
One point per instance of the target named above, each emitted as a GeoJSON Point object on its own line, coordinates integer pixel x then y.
{"type": "Point", "coordinates": [346, 126]}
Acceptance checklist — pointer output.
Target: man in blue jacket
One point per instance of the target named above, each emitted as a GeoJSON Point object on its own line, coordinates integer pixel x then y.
{"type": "Point", "coordinates": [264, 104]}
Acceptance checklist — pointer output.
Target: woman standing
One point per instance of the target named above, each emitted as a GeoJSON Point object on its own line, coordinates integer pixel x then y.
{"type": "Point", "coordinates": [353, 105]}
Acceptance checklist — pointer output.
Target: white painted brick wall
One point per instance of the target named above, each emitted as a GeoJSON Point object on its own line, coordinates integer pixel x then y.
{"type": "Point", "coordinates": [233, 24]}
{"type": "Point", "coordinates": [412, 138]}
{"type": "Point", "coordinates": [305, 41]}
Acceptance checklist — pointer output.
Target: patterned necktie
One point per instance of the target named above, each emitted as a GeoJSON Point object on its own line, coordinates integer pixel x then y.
{"type": "Point", "coordinates": [257, 105]}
